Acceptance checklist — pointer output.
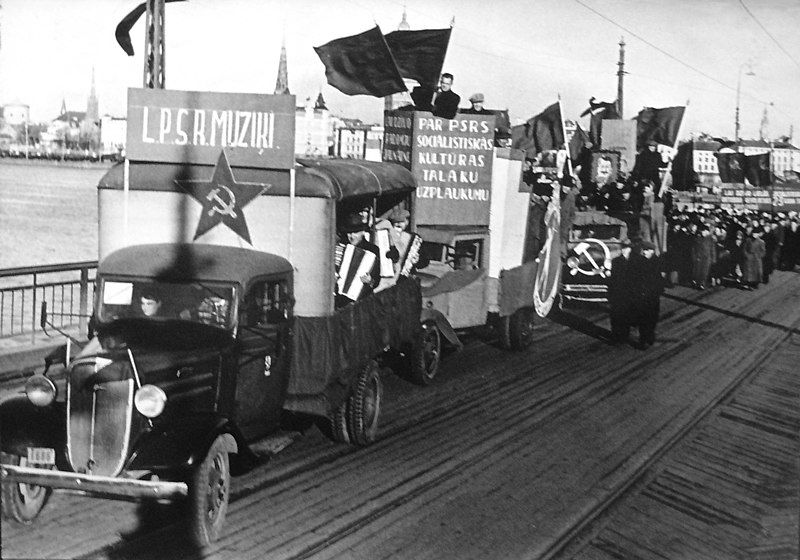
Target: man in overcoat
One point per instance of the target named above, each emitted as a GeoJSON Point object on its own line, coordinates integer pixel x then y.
{"type": "Point", "coordinates": [646, 286]}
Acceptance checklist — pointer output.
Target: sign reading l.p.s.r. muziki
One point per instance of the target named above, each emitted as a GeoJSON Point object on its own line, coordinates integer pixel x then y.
{"type": "Point", "coordinates": [192, 127]}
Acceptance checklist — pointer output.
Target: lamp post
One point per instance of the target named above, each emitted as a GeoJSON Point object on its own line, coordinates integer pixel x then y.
{"type": "Point", "coordinates": [739, 94]}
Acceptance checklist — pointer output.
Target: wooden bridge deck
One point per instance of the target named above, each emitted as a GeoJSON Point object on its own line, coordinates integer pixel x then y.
{"type": "Point", "coordinates": [572, 449]}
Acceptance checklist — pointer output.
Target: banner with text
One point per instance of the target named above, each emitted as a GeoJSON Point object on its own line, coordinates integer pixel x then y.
{"type": "Point", "coordinates": [192, 127]}
{"type": "Point", "coordinates": [779, 198]}
{"type": "Point", "coordinates": [451, 160]}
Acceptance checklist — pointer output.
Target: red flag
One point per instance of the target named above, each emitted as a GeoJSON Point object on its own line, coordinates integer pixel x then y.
{"type": "Point", "coordinates": [361, 65]}
{"type": "Point", "coordinates": [543, 132]}
{"type": "Point", "coordinates": [123, 30]}
{"type": "Point", "coordinates": [599, 111]}
{"type": "Point", "coordinates": [683, 175]}
{"type": "Point", "coordinates": [757, 170]}
{"type": "Point", "coordinates": [659, 125]}
{"type": "Point", "coordinates": [731, 167]}
{"type": "Point", "coordinates": [419, 55]}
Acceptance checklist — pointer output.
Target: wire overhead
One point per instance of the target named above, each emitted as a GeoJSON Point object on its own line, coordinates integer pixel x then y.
{"type": "Point", "coordinates": [764, 29]}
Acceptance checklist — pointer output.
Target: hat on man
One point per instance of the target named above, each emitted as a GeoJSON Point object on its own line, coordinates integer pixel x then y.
{"type": "Point", "coordinates": [399, 215]}
{"type": "Point", "coordinates": [354, 222]}
{"type": "Point", "coordinates": [648, 245]}
{"type": "Point", "coordinates": [476, 98]}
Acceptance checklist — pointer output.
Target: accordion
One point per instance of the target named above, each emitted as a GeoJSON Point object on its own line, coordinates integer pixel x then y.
{"type": "Point", "coordinates": [354, 264]}
{"type": "Point", "coordinates": [380, 237]}
{"type": "Point", "coordinates": [411, 243]}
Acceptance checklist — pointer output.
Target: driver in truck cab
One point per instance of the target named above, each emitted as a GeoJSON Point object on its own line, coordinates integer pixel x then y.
{"type": "Point", "coordinates": [150, 303]}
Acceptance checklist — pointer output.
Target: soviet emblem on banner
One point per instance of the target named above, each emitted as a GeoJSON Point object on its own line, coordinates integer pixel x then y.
{"type": "Point", "coordinates": [223, 199]}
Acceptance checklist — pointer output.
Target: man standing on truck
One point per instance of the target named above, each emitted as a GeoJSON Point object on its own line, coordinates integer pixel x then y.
{"type": "Point", "coordinates": [445, 103]}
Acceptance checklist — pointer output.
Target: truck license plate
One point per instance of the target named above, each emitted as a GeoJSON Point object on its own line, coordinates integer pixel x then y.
{"type": "Point", "coordinates": [41, 456]}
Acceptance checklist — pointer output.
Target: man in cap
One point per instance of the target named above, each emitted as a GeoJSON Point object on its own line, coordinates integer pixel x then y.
{"type": "Point", "coordinates": [477, 106]}
{"type": "Point", "coordinates": [646, 285]}
{"type": "Point", "coordinates": [620, 312]}
{"type": "Point", "coordinates": [353, 231]}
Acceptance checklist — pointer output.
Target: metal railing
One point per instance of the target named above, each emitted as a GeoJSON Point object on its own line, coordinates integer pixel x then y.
{"type": "Point", "coordinates": [67, 288]}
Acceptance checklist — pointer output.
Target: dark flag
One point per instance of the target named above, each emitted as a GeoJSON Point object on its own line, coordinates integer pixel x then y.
{"type": "Point", "coordinates": [361, 65]}
{"type": "Point", "coordinates": [683, 175]}
{"type": "Point", "coordinates": [123, 30]}
{"type": "Point", "coordinates": [659, 125]}
{"type": "Point", "coordinates": [577, 144]}
{"type": "Point", "coordinates": [757, 171]}
{"type": "Point", "coordinates": [731, 167]}
{"type": "Point", "coordinates": [419, 55]}
{"type": "Point", "coordinates": [599, 112]}
{"type": "Point", "coordinates": [543, 132]}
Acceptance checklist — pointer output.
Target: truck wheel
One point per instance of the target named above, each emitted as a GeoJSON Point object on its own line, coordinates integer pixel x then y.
{"type": "Point", "coordinates": [516, 330]}
{"type": "Point", "coordinates": [22, 502]}
{"type": "Point", "coordinates": [334, 427]}
{"type": "Point", "coordinates": [364, 405]}
{"type": "Point", "coordinates": [425, 355]}
{"type": "Point", "coordinates": [208, 495]}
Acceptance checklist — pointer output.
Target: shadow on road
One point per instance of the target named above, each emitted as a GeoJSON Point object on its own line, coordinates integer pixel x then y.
{"type": "Point", "coordinates": [730, 313]}
{"type": "Point", "coordinates": [580, 324]}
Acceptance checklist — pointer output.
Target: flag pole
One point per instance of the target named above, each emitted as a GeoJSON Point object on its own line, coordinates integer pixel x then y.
{"type": "Point", "coordinates": [564, 134]}
{"type": "Point", "coordinates": [674, 149]}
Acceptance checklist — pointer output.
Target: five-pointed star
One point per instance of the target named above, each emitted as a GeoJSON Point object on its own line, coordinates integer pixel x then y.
{"type": "Point", "coordinates": [223, 199]}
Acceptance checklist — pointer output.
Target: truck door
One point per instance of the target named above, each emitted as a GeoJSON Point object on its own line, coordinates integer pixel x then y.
{"type": "Point", "coordinates": [263, 357]}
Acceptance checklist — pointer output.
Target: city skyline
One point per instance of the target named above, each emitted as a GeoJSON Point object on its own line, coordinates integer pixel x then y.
{"type": "Point", "coordinates": [521, 55]}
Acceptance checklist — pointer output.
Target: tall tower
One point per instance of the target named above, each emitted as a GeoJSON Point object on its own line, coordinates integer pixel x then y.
{"type": "Point", "coordinates": [397, 99]}
{"type": "Point", "coordinates": [763, 130]}
{"type": "Point", "coordinates": [620, 75]}
{"type": "Point", "coordinates": [282, 83]}
{"type": "Point", "coordinates": [92, 105]}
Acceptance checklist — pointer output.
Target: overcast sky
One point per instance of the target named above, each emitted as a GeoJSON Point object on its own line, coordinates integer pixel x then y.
{"type": "Point", "coordinates": [520, 53]}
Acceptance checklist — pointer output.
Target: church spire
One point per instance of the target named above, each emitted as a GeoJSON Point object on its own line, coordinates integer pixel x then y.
{"type": "Point", "coordinates": [92, 105]}
{"type": "Point", "coordinates": [403, 26]}
{"type": "Point", "coordinates": [282, 83]}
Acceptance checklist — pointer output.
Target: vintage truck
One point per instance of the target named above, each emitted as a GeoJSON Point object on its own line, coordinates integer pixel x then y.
{"type": "Point", "coordinates": [246, 340]}
{"type": "Point", "coordinates": [476, 219]}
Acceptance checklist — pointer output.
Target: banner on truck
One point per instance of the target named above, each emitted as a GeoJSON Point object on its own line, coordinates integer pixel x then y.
{"type": "Point", "coordinates": [451, 160]}
{"type": "Point", "coordinates": [174, 126]}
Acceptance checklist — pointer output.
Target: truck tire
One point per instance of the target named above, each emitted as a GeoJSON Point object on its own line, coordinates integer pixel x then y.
{"type": "Point", "coordinates": [425, 355]}
{"type": "Point", "coordinates": [22, 502]}
{"type": "Point", "coordinates": [364, 405]}
{"type": "Point", "coordinates": [209, 492]}
{"type": "Point", "coordinates": [516, 330]}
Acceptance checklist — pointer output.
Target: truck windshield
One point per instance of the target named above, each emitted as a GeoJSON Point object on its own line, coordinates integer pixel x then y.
{"type": "Point", "coordinates": [210, 304]}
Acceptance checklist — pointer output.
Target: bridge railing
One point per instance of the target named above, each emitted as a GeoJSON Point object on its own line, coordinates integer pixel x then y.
{"type": "Point", "coordinates": [67, 288]}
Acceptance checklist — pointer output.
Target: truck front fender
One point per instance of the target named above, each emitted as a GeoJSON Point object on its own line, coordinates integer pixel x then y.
{"type": "Point", "coordinates": [23, 425]}
{"type": "Point", "coordinates": [442, 324]}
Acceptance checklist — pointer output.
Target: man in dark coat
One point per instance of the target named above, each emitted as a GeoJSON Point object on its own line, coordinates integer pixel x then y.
{"type": "Point", "coordinates": [620, 311]}
{"type": "Point", "coordinates": [646, 286]}
{"type": "Point", "coordinates": [445, 103]}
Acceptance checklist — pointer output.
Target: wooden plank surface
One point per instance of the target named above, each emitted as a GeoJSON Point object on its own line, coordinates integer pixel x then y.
{"type": "Point", "coordinates": [507, 455]}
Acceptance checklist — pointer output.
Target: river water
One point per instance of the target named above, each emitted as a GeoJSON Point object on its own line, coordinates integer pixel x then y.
{"type": "Point", "coordinates": [48, 212]}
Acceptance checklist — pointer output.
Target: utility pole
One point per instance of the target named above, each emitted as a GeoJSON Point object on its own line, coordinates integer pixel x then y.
{"type": "Point", "coordinates": [620, 74]}
{"type": "Point", "coordinates": [154, 73]}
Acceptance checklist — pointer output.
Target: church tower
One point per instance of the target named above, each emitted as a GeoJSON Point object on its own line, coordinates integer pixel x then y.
{"type": "Point", "coordinates": [92, 105]}
{"type": "Point", "coordinates": [390, 102]}
{"type": "Point", "coordinates": [282, 83]}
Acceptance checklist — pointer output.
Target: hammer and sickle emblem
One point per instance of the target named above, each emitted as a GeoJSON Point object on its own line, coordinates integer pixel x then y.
{"type": "Point", "coordinates": [582, 251]}
{"type": "Point", "coordinates": [220, 205]}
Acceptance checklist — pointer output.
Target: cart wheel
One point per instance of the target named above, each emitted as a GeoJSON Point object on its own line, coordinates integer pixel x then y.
{"type": "Point", "coordinates": [208, 495]}
{"type": "Point", "coordinates": [364, 406]}
{"type": "Point", "coordinates": [516, 330]}
{"type": "Point", "coordinates": [425, 355]}
{"type": "Point", "coordinates": [22, 502]}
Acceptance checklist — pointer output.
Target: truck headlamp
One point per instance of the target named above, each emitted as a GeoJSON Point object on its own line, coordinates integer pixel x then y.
{"type": "Point", "coordinates": [40, 390]}
{"type": "Point", "coordinates": [150, 400]}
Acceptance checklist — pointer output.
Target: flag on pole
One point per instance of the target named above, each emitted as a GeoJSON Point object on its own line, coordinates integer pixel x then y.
{"type": "Point", "coordinates": [577, 144]}
{"type": "Point", "coordinates": [731, 167]}
{"type": "Point", "coordinates": [757, 170]}
{"type": "Point", "coordinates": [543, 132]}
{"type": "Point", "coordinates": [419, 55]}
{"type": "Point", "coordinates": [361, 65]}
{"type": "Point", "coordinates": [599, 112]}
{"type": "Point", "coordinates": [683, 175]}
{"type": "Point", "coordinates": [660, 125]}
{"type": "Point", "coordinates": [123, 30]}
